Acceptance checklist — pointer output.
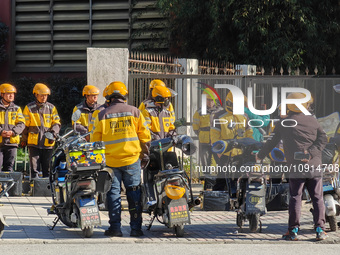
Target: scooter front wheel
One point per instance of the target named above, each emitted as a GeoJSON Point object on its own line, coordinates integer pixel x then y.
{"type": "Point", "coordinates": [239, 220]}
{"type": "Point", "coordinates": [88, 232]}
{"type": "Point", "coordinates": [179, 230]}
{"type": "Point", "coordinates": [254, 222]}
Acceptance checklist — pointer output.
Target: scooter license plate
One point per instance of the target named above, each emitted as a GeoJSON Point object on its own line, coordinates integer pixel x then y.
{"type": "Point", "coordinates": [328, 187]}
{"type": "Point", "coordinates": [89, 216]}
{"type": "Point", "coordinates": [178, 212]}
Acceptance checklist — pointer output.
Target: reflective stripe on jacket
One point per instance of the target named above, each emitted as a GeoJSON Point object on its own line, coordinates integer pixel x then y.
{"type": "Point", "coordinates": [11, 119]}
{"type": "Point", "coordinates": [124, 130]}
{"type": "Point", "coordinates": [40, 118]}
{"type": "Point", "coordinates": [159, 122]}
{"type": "Point", "coordinates": [82, 124]}
{"type": "Point", "coordinates": [150, 103]}
{"type": "Point", "coordinates": [94, 116]}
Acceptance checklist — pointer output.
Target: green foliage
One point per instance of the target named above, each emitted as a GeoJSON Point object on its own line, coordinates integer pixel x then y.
{"type": "Point", "coordinates": [187, 162]}
{"type": "Point", "coordinates": [65, 93]}
{"type": "Point", "coordinates": [3, 39]}
{"type": "Point", "coordinates": [262, 32]}
{"type": "Point", "coordinates": [180, 122]}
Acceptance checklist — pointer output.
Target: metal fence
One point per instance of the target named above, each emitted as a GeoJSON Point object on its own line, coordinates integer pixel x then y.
{"type": "Point", "coordinates": [189, 96]}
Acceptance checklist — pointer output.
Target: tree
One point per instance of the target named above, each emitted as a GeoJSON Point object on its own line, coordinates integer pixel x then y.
{"type": "Point", "coordinates": [269, 33]}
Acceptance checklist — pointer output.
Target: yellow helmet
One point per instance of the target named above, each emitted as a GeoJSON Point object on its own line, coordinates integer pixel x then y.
{"type": "Point", "coordinates": [210, 94]}
{"type": "Point", "coordinates": [116, 88]}
{"type": "Point", "coordinates": [155, 83]}
{"type": "Point", "coordinates": [298, 95]}
{"type": "Point", "coordinates": [160, 91]}
{"type": "Point", "coordinates": [174, 191]}
{"type": "Point", "coordinates": [41, 89]}
{"type": "Point", "coordinates": [229, 100]}
{"type": "Point", "coordinates": [105, 91]}
{"type": "Point", "coordinates": [90, 90]}
{"type": "Point", "coordinates": [7, 88]}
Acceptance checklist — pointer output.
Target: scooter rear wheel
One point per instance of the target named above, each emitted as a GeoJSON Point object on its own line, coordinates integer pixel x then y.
{"type": "Point", "coordinates": [179, 230]}
{"type": "Point", "coordinates": [254, 222]}
{"type": "Point", "coordinates": [332, 223]}
{"type": "Point", "coordinates": [88, 232]}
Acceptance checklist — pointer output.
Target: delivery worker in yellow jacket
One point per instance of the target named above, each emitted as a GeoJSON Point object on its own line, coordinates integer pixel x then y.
{"type": "Point", "coordinates": [98, 110]}
{"type": "Point", "coordinates": [202, 125]}
{"type": "Point", "coordinates": [40, 117]}
{"type": "Point", "coordinates": [149, 100]}
{"type": "Point", "coordinates": [12, 123]}
{"type": "Point", "coordinates": [156, 114]}
{"type": "Point", "coordinates": [221, 131]}
{"type": "Point", "coordinates": [127, 139]}
{"type": "Point", "coordinates": [87, 108]}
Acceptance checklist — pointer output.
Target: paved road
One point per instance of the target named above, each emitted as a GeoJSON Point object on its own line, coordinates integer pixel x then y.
{"type": "Point", "coordinates": [29, 223]}
{"type": "Point", "coordinates": [169, 248]}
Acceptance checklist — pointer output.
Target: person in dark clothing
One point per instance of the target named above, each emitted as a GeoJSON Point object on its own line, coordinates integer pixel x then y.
{"type": "Point", "coordinates": [301, 133]}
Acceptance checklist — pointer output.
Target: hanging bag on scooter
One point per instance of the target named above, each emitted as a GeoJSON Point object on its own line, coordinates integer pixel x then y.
{"type": "Point", "coordinates": [104, 180]}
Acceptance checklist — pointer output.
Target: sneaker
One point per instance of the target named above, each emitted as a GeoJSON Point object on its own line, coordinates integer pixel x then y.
{"type": "Point", "coordinates": [136, 232]}
{"type": "Point", "coordinates": [320, 234]}
{"type": "Point", "coordinates": [291, 235]}
{"type": "Point", "coordinates": [111, 233]}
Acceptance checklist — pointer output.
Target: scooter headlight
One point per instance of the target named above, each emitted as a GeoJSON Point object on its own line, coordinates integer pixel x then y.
{"type": "Point", "coordinates": [174, 191]}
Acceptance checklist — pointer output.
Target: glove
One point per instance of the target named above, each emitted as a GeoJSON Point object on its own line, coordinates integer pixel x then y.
{"type": "Point", "coordinates": [23, 144]}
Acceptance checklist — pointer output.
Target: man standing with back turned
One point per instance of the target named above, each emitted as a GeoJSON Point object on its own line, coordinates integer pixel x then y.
{"type": "Point", "coordinates": [127, 139]}
{"type": "Point", "coordinates": [303, 142]}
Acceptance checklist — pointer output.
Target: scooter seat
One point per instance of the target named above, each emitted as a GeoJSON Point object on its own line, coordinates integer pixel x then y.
{"type": "Point", "coordinates": [170, 172]}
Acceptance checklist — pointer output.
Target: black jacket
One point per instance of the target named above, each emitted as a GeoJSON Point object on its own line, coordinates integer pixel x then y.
{"type": "Point", "coordinates": [299, 132]}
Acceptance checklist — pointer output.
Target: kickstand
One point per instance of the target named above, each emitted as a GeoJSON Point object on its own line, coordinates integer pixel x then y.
{"type": "Point", "coordinates": [260, 225]}
{"type": "Point", "coordinates": [150, 223]}
{"type": "Point", "coordinates": [55, 221]}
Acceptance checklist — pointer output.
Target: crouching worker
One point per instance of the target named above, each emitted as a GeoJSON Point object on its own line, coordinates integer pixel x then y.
{"type": "Point", "coordinates": [127, 139]}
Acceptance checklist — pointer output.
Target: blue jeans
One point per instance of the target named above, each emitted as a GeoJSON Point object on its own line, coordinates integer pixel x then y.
{"type": "Point", "coordinates": [131, 177]}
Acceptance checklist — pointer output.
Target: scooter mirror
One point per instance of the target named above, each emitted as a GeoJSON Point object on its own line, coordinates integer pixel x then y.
{"type": "Point", "coordinates": [75, 117]}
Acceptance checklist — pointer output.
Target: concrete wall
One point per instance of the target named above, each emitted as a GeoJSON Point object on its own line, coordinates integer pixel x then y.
{"type": "Point", "coordinates": [105, 65]}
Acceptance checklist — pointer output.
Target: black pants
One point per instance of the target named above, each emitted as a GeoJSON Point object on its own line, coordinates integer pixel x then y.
{"type": "Point", "coordinates": [7, 158]}
{"type": "Point", "coordinates": [205, 154]}
{"type": "Point", "coordinates": [314, 187]}
{"type": "Point", "coordinates": [39, 161]}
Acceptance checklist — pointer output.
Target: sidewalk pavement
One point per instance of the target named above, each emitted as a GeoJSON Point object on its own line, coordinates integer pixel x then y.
{"type": "Point", "coordinates": [29, 223]}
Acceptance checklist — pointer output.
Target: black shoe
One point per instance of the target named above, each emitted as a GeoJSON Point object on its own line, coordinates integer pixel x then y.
{"type": "Point", "coordinates": [136, 232]}
{"type": "Point", "coordinates": [110, 232]}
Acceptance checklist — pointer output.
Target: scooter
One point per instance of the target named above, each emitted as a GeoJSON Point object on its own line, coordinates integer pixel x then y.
{"type": "Point", "coordinates": [167, 194]}
{"type": "Point", "coordinates": [77, 175]}
{"type": "Point", "coordinates": [6, 183]}
{"type": "Point", "coordinates": [331, 191]}
{"type": "Point", "coordinates": [249, 199]}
